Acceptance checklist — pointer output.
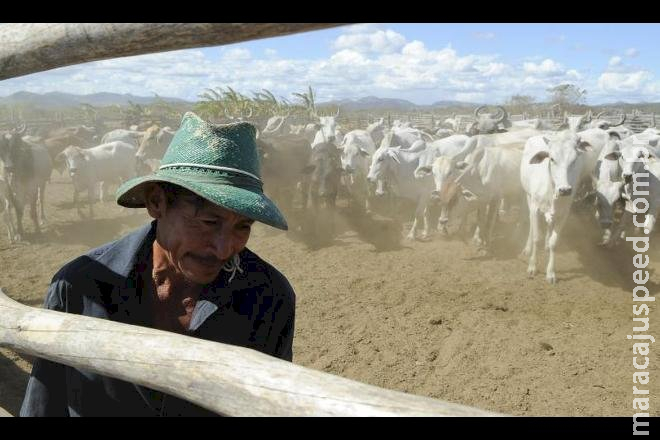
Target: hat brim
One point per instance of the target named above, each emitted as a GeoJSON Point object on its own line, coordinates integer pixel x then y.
{"type": "Point", "coordinates": [242, 201]}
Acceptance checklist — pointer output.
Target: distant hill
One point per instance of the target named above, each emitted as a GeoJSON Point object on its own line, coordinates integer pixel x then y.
{"type": "Point", "coordinates": [375, 103]}
{"type": "Point", "coordinates": [61, 100]}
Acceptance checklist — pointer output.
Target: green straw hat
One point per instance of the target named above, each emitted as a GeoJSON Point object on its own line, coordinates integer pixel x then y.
{"type": "Point", "coordinates": [217, 162]}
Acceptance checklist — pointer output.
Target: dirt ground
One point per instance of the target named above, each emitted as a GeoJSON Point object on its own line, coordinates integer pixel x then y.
{"type": "Point", "coordinates": [432, 318]}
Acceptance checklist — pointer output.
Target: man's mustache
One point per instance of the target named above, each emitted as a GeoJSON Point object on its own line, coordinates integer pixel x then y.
{"type": "Point", "coordinates": [209, 260]}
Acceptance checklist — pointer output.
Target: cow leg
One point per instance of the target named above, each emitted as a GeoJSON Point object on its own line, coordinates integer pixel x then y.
{"type": "Point", "coordinates": [101, 191]}
{"type": "Point", "coordinates": [90, 199]}
{"type": "Point", "coordinates": [42, 198]}
{"type": "Point", "coordinates": [556, 228]}
{"type": "Point", "coordinates": [535, 240]}
{"type": "Point", "coordinates": [33, 200]}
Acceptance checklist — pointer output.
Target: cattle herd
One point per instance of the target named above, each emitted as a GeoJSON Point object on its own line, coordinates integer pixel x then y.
{"type": "Point", "coordinates": [533, 170]}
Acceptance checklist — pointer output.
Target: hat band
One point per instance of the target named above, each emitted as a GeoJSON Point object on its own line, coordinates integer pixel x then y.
{"type": "Point", "coordinates": [246, 180]}
{"type": "Point", "coordinates": [209, 167]}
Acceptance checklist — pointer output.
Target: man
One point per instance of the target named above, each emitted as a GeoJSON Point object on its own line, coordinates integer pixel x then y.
{"type": "Point", "coordinates": [189, 272]}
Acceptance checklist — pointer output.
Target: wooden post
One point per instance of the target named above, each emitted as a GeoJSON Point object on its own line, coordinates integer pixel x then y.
{"type": "Point", "coordinates": [227, 379]}
{"type": "Point", "coordinates": [4, 413]}
{"type": "Point", "coordinates": [35, 47]}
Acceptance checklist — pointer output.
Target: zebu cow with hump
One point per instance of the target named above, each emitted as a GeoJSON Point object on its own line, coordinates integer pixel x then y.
{"type": "Point", "coordinates": [27, 169]}
{"type": "Point", "coordinates": [98, 167]}
{"type": "Point", "coordinates": [132, 137]}
{"type": "Point", "coordinates": [490, 177]}
{"type": "Point", "coordinates": [549, 171]}
{"type": "Point", "coordinates": [395, 167]}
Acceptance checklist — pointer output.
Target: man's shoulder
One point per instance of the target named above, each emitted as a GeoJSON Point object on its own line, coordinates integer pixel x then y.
{"type": "Point", "coordinates": [105, 256]}
{"type": "Point", "coordinates": [253, 263]}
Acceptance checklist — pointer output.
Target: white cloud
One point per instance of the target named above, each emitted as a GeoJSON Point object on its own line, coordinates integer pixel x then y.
{"type": "Point", "coordinates": [378, 41]}
{"type": "Point", "coordinates": [484, 35]}
{"type": "Point", "coordinates": [623, 82]}
{"type": "Point", "coordinates": [237, 54]}
{"type": "Point", "coordinates": [574, 74]}
{"type": "Point", "coordinates": [270, 52]}
{"type": "Point", "coordinates": [615, 61]}
{"type": "Point", "coordinates": [547, 67]}
{"type": "Point", "coordinates": [632, 52]}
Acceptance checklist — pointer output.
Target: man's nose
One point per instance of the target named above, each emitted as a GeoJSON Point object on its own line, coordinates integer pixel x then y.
{"type": "Point", "coordinates": [223, 244]}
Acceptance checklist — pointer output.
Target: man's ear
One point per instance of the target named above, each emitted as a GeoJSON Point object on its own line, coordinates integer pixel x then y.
{"type": "Point", "coordinates": [154, 200]}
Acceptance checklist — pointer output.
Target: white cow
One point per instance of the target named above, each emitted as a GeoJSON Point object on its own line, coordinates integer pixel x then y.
{"type": "Point", "coordinates": [641, 174]}
{"type": "Point", "coordinates": [96, 166]}
{"type": "Point", "coordinates": [377, 130]}
{"type": "Point", "coordinates": [395, 166]}
{"type": "Point", "coordinates": [133, 137]}
{"type": "Point", "coordinates": [609, 187]}
{"type": "Point", "coordinates": [549, 172]}
{"type": "Point", "coordinates": [489, 177]}
{"type": "Point", "coordinates": [449, 146]}
{"type": "Point", "coordinates": [357, 148]}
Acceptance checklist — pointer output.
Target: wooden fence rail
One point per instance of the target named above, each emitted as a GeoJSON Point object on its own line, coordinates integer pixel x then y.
{"type": "Point", "coordinates": [227, 379]}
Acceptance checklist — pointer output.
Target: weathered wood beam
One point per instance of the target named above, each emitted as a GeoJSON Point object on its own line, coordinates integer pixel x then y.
{"type": "Point", "coordinates": [34, 47]}
{"type": "Point", "coordinates": [227, 379]}
{"type": "Point", "coordinates": [4, 413]}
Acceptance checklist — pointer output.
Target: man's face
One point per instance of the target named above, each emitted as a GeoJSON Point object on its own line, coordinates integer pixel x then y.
{"type": "Point", "coordinates": [197, 241]}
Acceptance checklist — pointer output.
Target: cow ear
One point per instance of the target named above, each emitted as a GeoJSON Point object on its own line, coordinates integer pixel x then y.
{"type": "Point", "coordinates": [614, 155]}
{"type": "Point", "coordinates": [393, 155]}
{"type": "Point", "coordinates": [308, 169]}
{"type": "Point", "coordinates": [614, 135]}
{"type": "Point", "coordinates": [539, 157]}
{"type": "Point", "coordinates": [584, 146]}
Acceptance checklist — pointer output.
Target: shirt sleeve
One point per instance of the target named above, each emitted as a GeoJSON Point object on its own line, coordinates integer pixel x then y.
{"type": "Point", "coordinates": [45, 395]}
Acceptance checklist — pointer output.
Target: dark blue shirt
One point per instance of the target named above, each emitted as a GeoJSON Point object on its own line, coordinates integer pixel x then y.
{"type": "Point", "coordinates": [255, 310]}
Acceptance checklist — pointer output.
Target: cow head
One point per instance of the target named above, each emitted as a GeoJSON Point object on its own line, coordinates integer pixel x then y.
{"type": "Point", "coordinates": [564, 154]}
{"type": "Point", "coordinates": [487, 123]}
{"type": "Point", "coordinates": [13, 153]}
{"type": "Point", "coordinates": [382, 167]}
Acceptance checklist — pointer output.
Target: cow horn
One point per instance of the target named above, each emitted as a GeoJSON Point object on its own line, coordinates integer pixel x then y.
{"type": "Point", "coordinates": [250, 115]}
{"type": "Point", "coordinates": [587, 116]}
{"type": "Point", "coordinates": [21, 129]}
{"type": "Point", "coordinates": [477, 110]}
{"type": "Point", "coordinates": [503, 115]}
{"type": "Point", "coordinates": [600, 114]}
{"type": "Point", "coordinates": [623, 119]}
{"type": "Point", "coordinates": [280, 124]}
{"type": "Point", "coordinates": [337, 114]}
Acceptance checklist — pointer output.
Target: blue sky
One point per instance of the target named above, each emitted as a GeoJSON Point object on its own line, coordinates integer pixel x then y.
{"type": "Point", "coordinates": [419, 62]}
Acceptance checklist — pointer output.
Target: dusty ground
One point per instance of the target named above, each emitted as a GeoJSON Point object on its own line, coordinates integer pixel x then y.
{"type": "Point", "coordinates": [431, 318]}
